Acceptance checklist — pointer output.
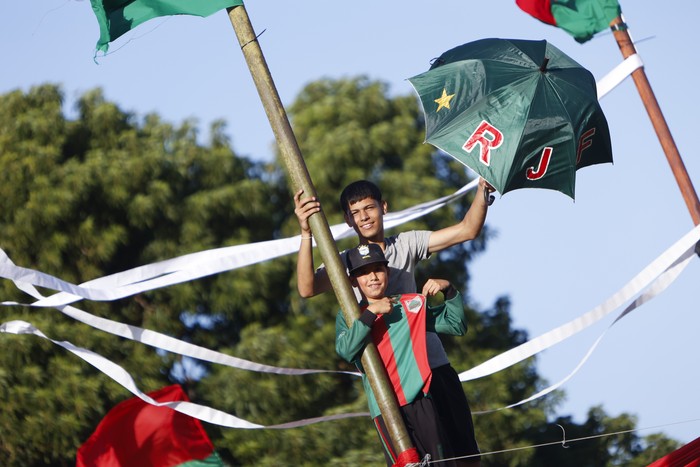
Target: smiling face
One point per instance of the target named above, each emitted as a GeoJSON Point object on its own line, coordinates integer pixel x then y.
{"type": "Point", "coordinates": [372, 280]}
{"type": "Point", "coordinates": [366, 217]}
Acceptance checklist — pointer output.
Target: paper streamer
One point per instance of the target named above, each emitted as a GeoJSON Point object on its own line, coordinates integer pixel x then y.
{"type": "Point", "coordinates": [189, 267]}
{"type": "Point", "coordinates": [208, 414]}
{"type": "Point", "coordinates": [163, 341]}
{"type": "Point", "coordinates": [240, 255]}
{"type": "Point", "coordinates": [618, 74]}
{"type": "Point", "coordinates": [121, 376]}
{"type": "Point", "coordinates": [664, 262]}
{"type": "Point", "coordinates": [658, 286]}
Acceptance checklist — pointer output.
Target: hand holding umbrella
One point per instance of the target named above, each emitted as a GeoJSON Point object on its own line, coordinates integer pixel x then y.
{"type": "Point", "coordinates": [488, 189]}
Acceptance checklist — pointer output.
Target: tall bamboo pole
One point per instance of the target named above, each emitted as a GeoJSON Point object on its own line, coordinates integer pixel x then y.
{"type": "Point", "coordinates": [624, 42]}
{"type": "Point", "coordinates": [299, 176]}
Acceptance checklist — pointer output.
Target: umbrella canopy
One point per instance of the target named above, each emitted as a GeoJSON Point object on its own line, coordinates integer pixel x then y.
{"type": "Point", "coordinates": [522, 114]}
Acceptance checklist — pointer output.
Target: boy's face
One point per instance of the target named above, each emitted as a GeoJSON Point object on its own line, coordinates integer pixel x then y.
{"type": "Point", "coordinates": [367, 218]}
{"type": "Point", "coordinates": [372, 280]}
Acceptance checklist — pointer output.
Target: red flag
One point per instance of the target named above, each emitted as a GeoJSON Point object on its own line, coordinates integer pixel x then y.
{"type": "Point", "coordinates": [686, 456]}
{"type": "Point", "coordinates": [540, 9]}
{"type": "Point", "coordinates": [135, 434]}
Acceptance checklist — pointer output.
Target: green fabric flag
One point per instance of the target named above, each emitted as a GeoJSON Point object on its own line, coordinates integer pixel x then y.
{"type": "Point", "coordinates": [117, 17]}
{"type": "Point", "coordinates": [584, 18]}
{"type": "Point", "coordinates": [580, 18]}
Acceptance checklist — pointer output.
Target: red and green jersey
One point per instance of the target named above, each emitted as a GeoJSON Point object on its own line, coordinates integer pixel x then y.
{"type": "Point", "coordinates": [401, 342]}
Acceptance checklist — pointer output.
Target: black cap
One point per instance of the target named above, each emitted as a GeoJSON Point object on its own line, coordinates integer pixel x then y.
{"type": "Point", "coordinates": [364, 255]}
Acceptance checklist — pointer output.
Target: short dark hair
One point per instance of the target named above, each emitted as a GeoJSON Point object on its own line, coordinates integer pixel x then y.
{"type": "Point", "coordinates": [357, 191]}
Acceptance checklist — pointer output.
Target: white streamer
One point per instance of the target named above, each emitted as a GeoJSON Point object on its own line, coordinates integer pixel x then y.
{"type": "Point", "coordinates": [121, 376]}
{"type": "Point", "coordinates": [163, 341]}
{"type": "Point", "coordinates": [655, 287]}
{"type": "Point", "coordinates": [618, 74]}
{"type": "Point", "coordinates": [26, 280]}
{"type": "Point", "coordinates": [658, 286]}
{"type": "Point", "coordinates": [189, 267]}
{"type": "Point", "coordinates": [664, 262]}
{"type": "Point", "coordinates": [218, 417]}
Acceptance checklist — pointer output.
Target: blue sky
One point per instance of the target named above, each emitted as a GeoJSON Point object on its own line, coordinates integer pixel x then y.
{"type": "Point", "coordinates": [555, 258]}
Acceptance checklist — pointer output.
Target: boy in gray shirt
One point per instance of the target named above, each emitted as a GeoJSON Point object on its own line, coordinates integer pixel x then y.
{"type": "Point", "coordinates": [364, 211]}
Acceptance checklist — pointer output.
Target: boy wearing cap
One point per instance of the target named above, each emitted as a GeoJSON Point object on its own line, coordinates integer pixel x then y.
{"type": "Point", "coordinates": [364, 210]}
{"type": "Point", "coordinates": [397, 325]}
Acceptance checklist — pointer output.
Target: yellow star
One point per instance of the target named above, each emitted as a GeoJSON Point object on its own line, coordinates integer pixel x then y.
{"type": "Point", "coordinates": [444, 100]}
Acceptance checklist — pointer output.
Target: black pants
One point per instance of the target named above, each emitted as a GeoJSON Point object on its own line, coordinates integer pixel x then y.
{"type": "Point", "coordinates": [454, 413]}
{"type": "Point", "coordinates": [423, 426]}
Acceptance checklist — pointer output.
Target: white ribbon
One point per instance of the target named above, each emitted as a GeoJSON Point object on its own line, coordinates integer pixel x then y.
{"type": "Point", "coordinates": [26, 280]}
{"type": "Point", "coordinates": [655, 287]}
{"type": "Point", "coordinates": [189, 267]}
{"type": "Point", "coordinates": [682, 249]}
{"type": "Point", "coordinates": [658, 286]}
{"type": "Point", "coordinates": [162, 341]}
{"type": "Point", "coordinates": [121, 376]}
{"type": "Point", "coordinates": [618, 74]}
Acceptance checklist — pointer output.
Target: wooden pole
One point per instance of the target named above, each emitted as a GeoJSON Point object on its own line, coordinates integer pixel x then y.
{"type": "Point", "coordinates": [300, 179]}
{"type": "Point", "coordinates": [624, 42]}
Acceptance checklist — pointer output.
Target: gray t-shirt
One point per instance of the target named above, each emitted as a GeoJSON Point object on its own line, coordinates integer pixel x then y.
{"type": "Point", "coordinates": [403, 251]}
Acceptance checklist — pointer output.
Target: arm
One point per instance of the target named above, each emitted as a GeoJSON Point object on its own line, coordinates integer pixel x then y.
{"type": "Point", "coordinates": [447, 318]}
{"type": "Point", "coordinates": [351, 341]}
{"type": "Point", "coordinates": [469, 228]}
{"type": "Point", "coordinates": [309, 282]}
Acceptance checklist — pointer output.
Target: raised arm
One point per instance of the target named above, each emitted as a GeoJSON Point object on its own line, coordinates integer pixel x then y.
{"type": "Point", "coordinates": [469, 227]}
{"type": "Point", "coordinates": [309, 282]}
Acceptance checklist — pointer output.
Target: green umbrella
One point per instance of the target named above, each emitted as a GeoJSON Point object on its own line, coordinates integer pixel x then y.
{"type": "Point", "coordinates": [521, 114]}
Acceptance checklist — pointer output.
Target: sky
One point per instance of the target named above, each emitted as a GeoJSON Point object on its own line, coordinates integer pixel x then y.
{"type": "Point", "coordinates": [555, 258]}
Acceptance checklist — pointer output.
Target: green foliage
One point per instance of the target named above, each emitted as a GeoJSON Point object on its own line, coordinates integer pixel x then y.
{"type": "Point", "coordinates": [104, 193]}
{"type": "Point", "coordinates": [110, 191]}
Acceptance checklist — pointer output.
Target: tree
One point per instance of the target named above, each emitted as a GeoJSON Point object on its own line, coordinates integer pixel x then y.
{"type": "Point", "coordinates": [109, 191]}
{"type": "Point", "coordinates": [104, 193]}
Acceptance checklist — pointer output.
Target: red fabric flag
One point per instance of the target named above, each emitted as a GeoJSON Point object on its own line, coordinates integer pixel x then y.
{"type": "Point", "coordinates": [137, 434]}
{"type": "Point", "coordinates": [686, 456]}
{"type": "Point", "coordinates": [540, 9]}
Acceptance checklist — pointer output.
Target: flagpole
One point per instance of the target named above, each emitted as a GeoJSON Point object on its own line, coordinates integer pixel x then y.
{"type": "Point", "coordinates": [300, 179]}
{"type": "Point", "coordinates": [624, 42]}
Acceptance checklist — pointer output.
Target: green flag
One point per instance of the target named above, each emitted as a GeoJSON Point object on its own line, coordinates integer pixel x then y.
{"type": "Point", "coordinates": [116, 17]}
{"type": "Point", "coordinates": [580, 18]}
